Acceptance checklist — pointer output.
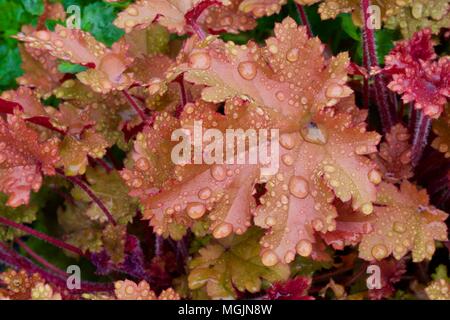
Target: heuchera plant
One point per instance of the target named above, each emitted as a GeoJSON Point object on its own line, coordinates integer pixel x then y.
{"type": "Point", "coordinates": [87, 176]}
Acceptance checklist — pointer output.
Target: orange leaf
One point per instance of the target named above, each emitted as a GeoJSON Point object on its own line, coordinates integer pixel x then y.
{"type": "Point", "coordinates": [404, 222]}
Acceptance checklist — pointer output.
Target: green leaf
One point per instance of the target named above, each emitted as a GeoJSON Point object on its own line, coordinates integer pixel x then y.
{"type": "Point", "coordinates": [51, 24]}
{"type": "Point", "coordinates": [302, 266]}
{"type": "Point", "coordinates": [67, 67]}
{"type": "Point", "coordinates": [231, 264]}
{"type": "Point", "coordinates": [98, 19]}
{"type": "Point", "coordinates": [440, 273]}
{"type": "Point", "coordinates": [23, 214]}
{"type": "Point", "coordinates": [349, 27]}
{"type": "Point", "coordinates": [10, 62]}
{"type": "Point", "coordinates": [13, 15]}
{"type": "Point", "coordinates": [112, 191]}
{"type": "Point", "coordinates": [35, 7]}
{"type": "Point", "coordinates": [385, 42]}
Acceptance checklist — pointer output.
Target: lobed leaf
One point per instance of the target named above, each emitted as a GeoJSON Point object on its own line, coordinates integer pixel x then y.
{"type": "Point", "coordinates": [22, 160]}
{"type": "Point", "coordinates": [404, 222]}
{"type": "Point", "coordinates": [233, 264]}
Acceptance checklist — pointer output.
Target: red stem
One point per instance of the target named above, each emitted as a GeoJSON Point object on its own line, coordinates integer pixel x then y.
{"type": "Point", "coordinates": [192, 16]}
{"type": "Point", "coordinates": [304, 20]}
{"type": "Point", "coordinates": [135, 106]}
{"type": "Point", "coordinates": [159, 241]}
{"type": "Point", "coordinates": [77, 181]}
{"type": "Point", "coordinates": [56, 242]}
{"type": "Point", "coordinates": [103, 164]}
{"type": "Point", "coordinates": [183, 96]}
{"type": "Point", "coordinates": [13, 259]}
{"type": "Point", "coordinates": [420, 136]}
{"type": "Point", "coordinates": [387, 114]}
{"type": "Point", "coordinates": [40, 259]}
{"type": "Point", "coordinates": [366, 87]}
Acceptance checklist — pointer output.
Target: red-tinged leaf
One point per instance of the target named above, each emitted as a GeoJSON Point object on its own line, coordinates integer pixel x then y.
{"type": "Point", "coordinates": [283, 76]}
{"type": "Point", "coordinates": [148, 69]}
{"type": "Point", "coordinates": [394, 158]}
{"type": "Point", "coordinates": [73, 45]}
{"type": "Point", "coordinates": [76, 46]}
{"type": "Point", "coordinates": [40, 70]}
{"type": "Point", "coordinates": [350, 227]}
{"type": "Point", "coordinates": [74, 151]}
{"type": "Point", "coordinates": [293, 289]}
{"type": "Point", "coordinates": [228, 18]}
{"type": "Point", "coordinates": [111, 73]}
{"type": "Point", "coordinates": [418, 75]}
{"type": "Point", "coordinates": [24, 158]}
{"type": "Point", "coordinates": [73, 121]}
{"type": "Point", "coordinates": [326, 158]}
{"type": "Point", "coordinates": [404, 221]}
{"type": "Point", "coordinates": [109, 118]}
{"type": "Point", "coordinates": [27, 102]}
{"type": "Point", "coordinates": [149, 165]}
{"type": "Point", "coordinates": [226, 190]}
{"type": "Point", "coordinates": [391, 271]}
{"type": "Point", "coordinates": [169, 13]}
{"type": "Point", "coordinates": [322, 152]}
{"type": "Point", "coordinates": [65, 119]}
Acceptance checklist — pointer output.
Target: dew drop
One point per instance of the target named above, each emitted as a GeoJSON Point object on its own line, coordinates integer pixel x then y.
{"type": "Point", "coordinates": [273, 49]}
{"type": "Point", "coordinates": [334, 91]}
{"type": "Point", "coordinates": [195, 210]}
{"type": "Point", "coordinates": [317, 224]}
{"type": "Point", "coordinates": [379, 251]}
{"type": "Point", "coordinates": [204, 193]}
{"type": "Point", "coordinates": [287, 159]}
{"type": "Point", "coordinates": [136, 183]}
{"type": "Point", "coordinates": [133, 12]}
{"type": "Point", "coordinates": [200, 60]}
{"type": "Point", "coordinates": [270, 221]}
{"type": "Point", "coordinates": [222, 230]}
{"type": "Point", "coordinates": [287, 141]}
{"type": "Point", "coordinates": [399, 227]}
{"type": "Point", "coordinates": [314, 134]}
{"type": "Point", "coordinates": [247, 70]}
{"type": "Point", "coordinates": [292, 55]}
{"type": "Point", "coordinates": [298, 187]}
{"type": "Point", "coordinates": [374, 176]}
{"type": "Point", "coordinates": [269, 258]}
{"type": "Point", "coordinates": [218, 172]}
{"type": "Point", "coordinates": [280, 96]}
{"type": "Point", "coordinates": [304, 248]}
{"type": "Point", "coordinates": [367, 208]}
{"type": "Point", "coordinates": [43, 35]}
{"type": "Point", "coordinates": [143, 164]}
